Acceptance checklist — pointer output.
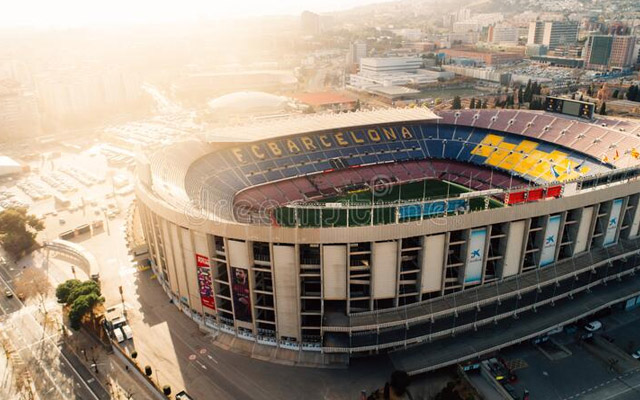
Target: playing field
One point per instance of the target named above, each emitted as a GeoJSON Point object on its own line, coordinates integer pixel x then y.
{"type": "Point", "coordinates": [333, 211]}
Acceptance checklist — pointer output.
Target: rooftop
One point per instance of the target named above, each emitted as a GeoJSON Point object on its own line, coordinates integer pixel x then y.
{"type": "Point", "coordinates": [317, 122]}
{"type": "Point", "coordinates": [323, 98]}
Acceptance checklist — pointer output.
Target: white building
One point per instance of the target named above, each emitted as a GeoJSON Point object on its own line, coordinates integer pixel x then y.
{"type": "Point", "coordinates": [9, 166]}
{"type": "Point", "coordinates": [503, 34]}
{"type": "Point", "coordinates": [553, 34]}
{"type": "Point", "coordinates": [379, 65]}
{"type": "Point", "coordinates": [357, 51]}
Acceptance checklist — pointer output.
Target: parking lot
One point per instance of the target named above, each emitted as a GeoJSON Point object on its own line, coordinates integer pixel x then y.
{"type": "Point", "coordinates": [566, 367]}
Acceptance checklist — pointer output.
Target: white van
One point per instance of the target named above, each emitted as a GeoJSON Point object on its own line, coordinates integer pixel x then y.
{"type": "Point", "coordinates": [119, 336]}
{"type": "Point", "coordinates": [127, 331]}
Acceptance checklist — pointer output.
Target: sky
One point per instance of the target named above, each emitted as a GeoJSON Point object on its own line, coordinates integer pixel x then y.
{"type": "Point", "coordinates": [81, 13]}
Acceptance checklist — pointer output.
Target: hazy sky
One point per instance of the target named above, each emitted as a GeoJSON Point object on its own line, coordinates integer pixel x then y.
{"type": "Point", "coordinates": [73, 13]}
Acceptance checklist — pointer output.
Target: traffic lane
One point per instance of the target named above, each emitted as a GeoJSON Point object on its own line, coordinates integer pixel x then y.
{"type": "Point", "coordinates": [558, 379]}
{"type": "Point", "coordinates": [9, 305]}
{"type": "Point", "coordinates": [627, 337]}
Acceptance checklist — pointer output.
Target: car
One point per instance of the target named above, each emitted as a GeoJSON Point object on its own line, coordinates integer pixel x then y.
{"type": "Point", "coordinates": [183, 396]}
{"type": "Point", "coordinates": [636, 354]}
{"type": "Point", "coordinates": [127, 331]}
{"type": "Point", "coordinates": [62, 221]}
{"type": "Point", "coordinates": [593, 326]}
{"type": "Point", "coordinates": [8, 294]}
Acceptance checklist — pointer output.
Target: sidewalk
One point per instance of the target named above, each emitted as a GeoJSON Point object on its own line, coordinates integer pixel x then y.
{"type": "Point", "coordinates": [112, 374]}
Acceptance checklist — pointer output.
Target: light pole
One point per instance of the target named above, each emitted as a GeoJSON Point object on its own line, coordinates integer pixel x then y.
{"type": "Point", "coordinates": [124, 308]}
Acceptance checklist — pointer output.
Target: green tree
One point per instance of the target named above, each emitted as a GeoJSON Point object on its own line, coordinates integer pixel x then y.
{"type": "Point", "coordinates": [80, 297]}
{"type": "Point", "coordinates": [457, 103]}
{"type": "Point", "coordinates": [472, 103]}
{"type": "Point", "coordinates": [18, 230]}
{"type": "Point", "coordinates": [615, 94]}
{"type": "Point", "coordinates": [64, 290]}
{"type": "Point", "coordinates": [82, 306]}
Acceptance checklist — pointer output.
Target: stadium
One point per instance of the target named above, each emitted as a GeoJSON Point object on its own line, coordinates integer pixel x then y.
{"type": "Point", "coordinates": [437, 238]}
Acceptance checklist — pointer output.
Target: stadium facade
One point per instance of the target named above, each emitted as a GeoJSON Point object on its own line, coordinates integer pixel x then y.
{"type": "Point", "coordinates": [352, 234]}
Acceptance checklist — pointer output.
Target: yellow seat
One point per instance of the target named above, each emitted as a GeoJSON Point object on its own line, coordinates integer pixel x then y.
{"type": "Point", "coordinates": [511, 161]}
{"type": "Point", "coordinates": [526, 146]}
{"type": "Point", "coordinates": [486, 147]}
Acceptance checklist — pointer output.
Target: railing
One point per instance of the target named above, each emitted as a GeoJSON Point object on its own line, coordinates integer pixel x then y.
{"type": "Point", "coordinates": [319, 215]}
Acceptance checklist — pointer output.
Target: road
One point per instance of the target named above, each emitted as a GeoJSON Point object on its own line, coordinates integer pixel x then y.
{"type": "Point", "coordinates": [54, 375]}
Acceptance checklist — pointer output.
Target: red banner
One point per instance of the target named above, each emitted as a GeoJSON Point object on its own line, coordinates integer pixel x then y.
{"type": "Point", "coordinates": [204, 281]}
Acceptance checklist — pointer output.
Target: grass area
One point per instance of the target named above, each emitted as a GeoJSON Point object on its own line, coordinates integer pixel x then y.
{"type": "Point", "coordinates": [430, 190]}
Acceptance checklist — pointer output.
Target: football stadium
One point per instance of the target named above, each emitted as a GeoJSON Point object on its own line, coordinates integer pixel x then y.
{"type": "Point", "coordinates": [435, 238]}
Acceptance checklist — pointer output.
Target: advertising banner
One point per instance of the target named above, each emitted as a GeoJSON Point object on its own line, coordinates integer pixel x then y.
{"type": "Point", "coordinates": [204, 281]}
{"type": "Point", "coordinates": [475, 256]}
{"type": "Point", "coordinates": [549, 242]}
{"type": "Point", "coordinates": [241, 295]}
{"type": "Point", "coordinates": [612, 224]}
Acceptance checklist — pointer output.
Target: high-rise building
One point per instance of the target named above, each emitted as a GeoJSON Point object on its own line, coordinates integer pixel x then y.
{"type": "Point", "coordinates": [536, 33]}
{"type": "Point", "coordinates": [553, 34]}
{"type": "Point", "coordinates": [19, 114]}
{"type": "Point", "coordinates": [310, 23]}
{"type": "Point", "coordinates": [357, 51]}
{"type": "Point", "coordinates": [607, 52]}
{"type": "Point", "coordinates": [503, 34]}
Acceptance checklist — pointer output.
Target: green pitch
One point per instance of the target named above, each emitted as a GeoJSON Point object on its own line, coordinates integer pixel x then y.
{"type": "Point", "coordinates": [429, 190]}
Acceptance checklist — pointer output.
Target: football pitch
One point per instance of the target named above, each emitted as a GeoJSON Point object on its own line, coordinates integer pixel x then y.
{"type": "Point", "coordinates": [354, 206]}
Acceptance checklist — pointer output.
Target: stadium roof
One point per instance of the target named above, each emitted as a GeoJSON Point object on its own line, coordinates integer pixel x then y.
{"type": "Point", "coordinates": [323, 98]}
{"type": "Point", "coordinates": [316, 123]}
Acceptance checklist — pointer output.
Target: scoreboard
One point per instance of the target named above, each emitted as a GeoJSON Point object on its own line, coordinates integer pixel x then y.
{"type": "Point", "coordinates": [570, 107]}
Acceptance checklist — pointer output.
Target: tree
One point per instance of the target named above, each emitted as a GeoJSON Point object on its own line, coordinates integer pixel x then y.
{"type": "Point", "coordinates": [603, 108]}
{"type": "Point", "coordinates": [457, 103]}
{"type": "Point", "coordinates": [80, 297]}
{"type": "Point", "coordinates": [18, 230]}
{"type": "Point", "coordinates": [484, 103]}
{"type": "Point", "coordinates": [472, 103]}
{"type": "Point", "coordinates": [581, 97]}
{"type": "Point", "coordinates": [33, 283]}
{"type": "Point", "coordinates": [615, 94]}
{"type": "Point", "coordinates": [64, 289]}
{"type": "Point", "coordinates": [573, 96]}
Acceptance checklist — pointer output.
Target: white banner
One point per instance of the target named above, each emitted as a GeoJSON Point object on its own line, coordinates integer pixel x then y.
{"type": "Point", "coordinates": [549, 242]}
{"type": "Point", "coordinates": [475, 256]}
{"type": "Point", "coordinates": [612, 224]}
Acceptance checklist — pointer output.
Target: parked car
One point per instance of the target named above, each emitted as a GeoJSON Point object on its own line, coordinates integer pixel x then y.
{"type": "Point", "coordinates": [127, 331]}
{"type": "Point", "coordinates": [593, 326]}
{"type": "Point", "coordinates": [636, 354]}
{"type": "Point", "coordinates": [119, 336]}
{"type": "Point", "coordinates": [8, 293]}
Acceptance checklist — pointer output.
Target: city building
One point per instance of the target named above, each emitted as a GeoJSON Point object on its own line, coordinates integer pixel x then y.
{"type": "Point", "coordinates": [357, 51]}
{"type": "Point", "coordinates": [485, 57]}
{"type": "Point", "coordinates": [553, 34]}
{"type": "Point", "coordinates": [607, 52]}
{"type": "Point", "coordinates": [19, 112]}
{"type": "Point", "coordinates": [393, 72]}
{"type": "Point", "coordinates": [310, 23]}
{"type": "Point", "coordinates": [9, 166]}
{"type": "Point", "coordinates": [503, 34]}
{"type": "Point", "coordinates": [385, 65]}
